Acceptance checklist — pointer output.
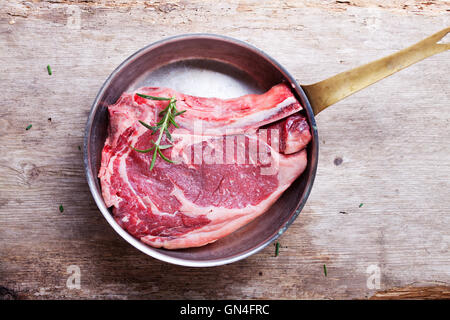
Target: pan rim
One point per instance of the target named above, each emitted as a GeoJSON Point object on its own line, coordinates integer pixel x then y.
{"type": "Point", "coordinates": [152, 251]}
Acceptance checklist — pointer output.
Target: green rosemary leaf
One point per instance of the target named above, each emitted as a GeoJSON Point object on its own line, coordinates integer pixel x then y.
{"type": "Point", "coordinates": [49, 70]}
{"type": "Point", "coordinates": [153, 98]}
{"type": "Point", "coordinates": [164, 157]}
{"type": "Point", "coordinates": [165, 146]}
{"type": "Point", "coordinates": [172, 120]}
{"type": "Point", "coordinates": [142, 151]}
{"type": "Point", "coordinates": [168, 135]}
{"type": "Point", "coordinates": [155, 153]}
{"type": "Point", "coordinates": [277, 249]}
{"type": "Point", "coordinates": [154, 129]}
{"type": "Point", "coordinates": [179, 112]}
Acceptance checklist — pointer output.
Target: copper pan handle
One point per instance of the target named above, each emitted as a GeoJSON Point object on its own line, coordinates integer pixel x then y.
{"type": "Point", "coordinates": [329, 91]}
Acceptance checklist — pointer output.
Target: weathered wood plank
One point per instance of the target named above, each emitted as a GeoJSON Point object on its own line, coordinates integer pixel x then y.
{"type": "Point", "coordinates": [392, 139]}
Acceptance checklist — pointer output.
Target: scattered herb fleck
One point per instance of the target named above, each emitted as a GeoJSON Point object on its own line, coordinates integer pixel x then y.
{"type": "Point", "coordinates": [49, 119]}
{"type": "Point", "coordinates": [325, 270]}
{"type": "Point", "coordinates": [79, 148]}
{"type": "Point", "coordinates": [61, 208]}
{"type": "Point", "coordinates": [277, 249]}
{"type": "Point", "coordinates": [49, 70]}
{"type": "Point", "coordinates": [168, 115]}
{"type": "Point", "coordinates": [343, 212]}
{"type": "Point", "coordinates": [361, 204]}
{"type": "Point", "coordinates": [28, 127]}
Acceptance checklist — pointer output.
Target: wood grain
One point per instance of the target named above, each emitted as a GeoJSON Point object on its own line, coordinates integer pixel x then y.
{"type": "Point", "coordinates": [386, 147]}
{"type": "Point", "coordinates": [417, 293]}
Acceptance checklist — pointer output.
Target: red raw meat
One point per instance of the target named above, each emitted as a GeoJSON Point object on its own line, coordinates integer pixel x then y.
{"type": "Point", "coordinates": [234, 157]}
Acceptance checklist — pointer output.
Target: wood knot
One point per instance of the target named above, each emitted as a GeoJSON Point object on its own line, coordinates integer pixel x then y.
{"type": "Point", "coordinates": [31, 171]}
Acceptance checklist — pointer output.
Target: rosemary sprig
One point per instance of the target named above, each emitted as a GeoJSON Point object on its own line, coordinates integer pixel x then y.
{"type": "Point", "coordinates": [167, 115]}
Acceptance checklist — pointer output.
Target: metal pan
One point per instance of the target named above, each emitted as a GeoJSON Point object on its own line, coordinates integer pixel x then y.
{"type": "Point", "coordinates": [212, 65]}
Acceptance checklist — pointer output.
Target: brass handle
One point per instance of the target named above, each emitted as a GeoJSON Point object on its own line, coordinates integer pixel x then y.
{"type": "Point", "coordinates": [329, 91]}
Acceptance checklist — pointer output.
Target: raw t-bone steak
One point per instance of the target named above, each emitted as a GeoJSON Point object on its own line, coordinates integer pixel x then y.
{"type": "Point", "coordinates": [234, 158]}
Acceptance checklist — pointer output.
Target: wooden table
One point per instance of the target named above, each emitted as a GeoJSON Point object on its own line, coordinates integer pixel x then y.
{"type": "Point", "coordinates": [386, 147]}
